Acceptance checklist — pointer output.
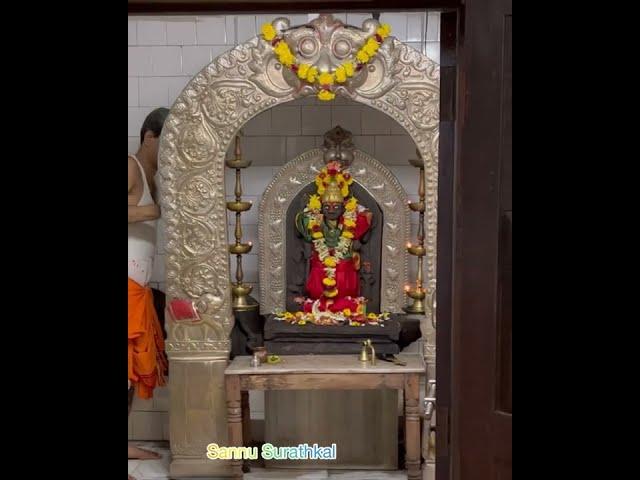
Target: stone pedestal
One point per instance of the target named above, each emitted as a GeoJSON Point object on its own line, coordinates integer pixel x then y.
{"type": "Point", "coordinates": [284, 338]}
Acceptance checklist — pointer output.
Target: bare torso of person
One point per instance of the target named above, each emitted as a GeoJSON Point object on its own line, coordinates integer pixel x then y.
{"type": "Point", "coordinates": [138, 189]}
{"type": "Point", "coordinates": [142, 235]}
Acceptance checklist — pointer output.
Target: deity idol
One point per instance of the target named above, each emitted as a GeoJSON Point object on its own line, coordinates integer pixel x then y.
{"type": "Point", "coordinates": [332, 221]}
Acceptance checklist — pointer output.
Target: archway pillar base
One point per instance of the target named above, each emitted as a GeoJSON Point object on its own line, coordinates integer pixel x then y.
{"type": "Point", "coordinates": [198, 413]}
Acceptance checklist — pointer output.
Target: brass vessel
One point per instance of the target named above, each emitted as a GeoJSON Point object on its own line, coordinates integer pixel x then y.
{"type": "Point", "coordinates": [368, 353]}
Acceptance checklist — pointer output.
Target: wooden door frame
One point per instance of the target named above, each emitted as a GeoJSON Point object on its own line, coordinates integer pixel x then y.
{"type": "Point", "coordinates": [449, 25]}
{"type": "Point", "coordinates": [195, 7]}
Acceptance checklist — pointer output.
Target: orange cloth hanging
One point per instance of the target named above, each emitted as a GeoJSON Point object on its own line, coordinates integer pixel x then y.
{"type": "Point", "coordinates": [147, 360]}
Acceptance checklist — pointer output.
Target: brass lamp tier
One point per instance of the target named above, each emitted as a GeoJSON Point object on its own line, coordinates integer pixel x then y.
{"type": "Point", "coordinates": [239, 206]}
{"type": "Point", "coordinates": [417, 206]}
{"type": "Point", "coordinates": [240, 248]}
{"type": "Point", "coordinates": [418, 294]}
{"type": "Point", "coordinates": [237, 163]}
{"type": "Point", "coordinates": [240, 297]}
{"type": "Point", "coordinates": [417, 162]}
{"type": "Point", "coordinates": [416, 307]}
{"type": "Point", "coordinates": [239, 290]}
{"type": "Point", "coordinates": [417, 250]}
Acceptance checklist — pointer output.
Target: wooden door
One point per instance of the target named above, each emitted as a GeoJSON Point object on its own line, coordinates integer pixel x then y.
{"type": "Point", "coordinates": [481, 376]}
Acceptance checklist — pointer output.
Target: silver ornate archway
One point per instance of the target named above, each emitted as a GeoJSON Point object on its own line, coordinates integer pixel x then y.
{"type": "Point", "coordinates": [217, 102]}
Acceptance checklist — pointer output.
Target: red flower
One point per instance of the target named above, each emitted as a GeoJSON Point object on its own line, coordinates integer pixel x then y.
{"type": "Point", "coordinates": [332, 171]}
{"type": "Point", "coordinates": [332, 252]}
{"type": "Point", "coordinates": [294, 67]}
{"type": "Point", "coordinates": [378, 38]}
{"type": "Point", "coordinates": [346, 176]}
{"type": "Point", "coordinates": [315, 228]}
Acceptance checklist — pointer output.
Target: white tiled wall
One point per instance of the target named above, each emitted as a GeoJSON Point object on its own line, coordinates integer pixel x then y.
{"type": "Point", "coordinates": [165, 53]}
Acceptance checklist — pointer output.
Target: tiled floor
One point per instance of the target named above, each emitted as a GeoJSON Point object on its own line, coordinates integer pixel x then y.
{"type": "Point", "coordinates": [151, 469]}
{"type": "Point", "coordinates": [159, 470]}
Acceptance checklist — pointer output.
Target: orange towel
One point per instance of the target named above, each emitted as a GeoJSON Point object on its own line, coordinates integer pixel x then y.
{"type": "Point", "coordinates": [147, 361]}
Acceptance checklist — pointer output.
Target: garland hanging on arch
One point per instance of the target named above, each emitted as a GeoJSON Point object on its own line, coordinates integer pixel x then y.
{"type": "Point", "coordinates": [324, 80]}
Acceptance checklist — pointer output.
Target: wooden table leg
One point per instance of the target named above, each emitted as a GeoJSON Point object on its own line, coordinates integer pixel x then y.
{"type": "Point", "coordinates": [234, 420]}
{"type": "Point", "coordinates": [246, 425]}
{"type": "Point", "coordinates": [412, 426]}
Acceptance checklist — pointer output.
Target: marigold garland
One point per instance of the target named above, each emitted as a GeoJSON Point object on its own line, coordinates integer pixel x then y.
{"type": "Point", "coordinates": [331, 256]}
{"type": "Point", "coordinates": [310, 73]}
{"type": "Point", "coordinates": [354, 319]}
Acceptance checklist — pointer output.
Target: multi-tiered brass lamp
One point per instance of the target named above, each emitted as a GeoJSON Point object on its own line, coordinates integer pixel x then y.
{"type": "Point", "coordinates": [418, 293]}
{"type": "Point", "coordinates": [240, 291]}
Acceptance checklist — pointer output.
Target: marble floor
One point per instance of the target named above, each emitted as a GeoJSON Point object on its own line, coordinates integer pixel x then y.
{"type": "Point", "coordinates": [159, 470]}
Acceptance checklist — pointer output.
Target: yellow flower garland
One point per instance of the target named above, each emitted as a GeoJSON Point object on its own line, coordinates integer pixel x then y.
{"type": "Point", "coordinates": [314, 202]}
{"type": "Point", "coordinates": [331, 257]}
{"type": "Point", "coordinates": [351, 204]}
{"type": "Point", "coordinates": [303, 70]}
{"type": "Point", "coordinates": [329, 282]}
{"type": "Point", "coordinates": [325, 79]}
{"type": "Point", "coordinates": [310, 74]}
{"type": "Point", "coordinates": [349, 223]}
{"type": "Point", "coordinates": [326, 95]}
{"type": "Point", "coordinates": [268, 32]}
{"type": "Point", "coordinates": [330, 262]}
{"type": "Point", "coordinates": [313, 73]}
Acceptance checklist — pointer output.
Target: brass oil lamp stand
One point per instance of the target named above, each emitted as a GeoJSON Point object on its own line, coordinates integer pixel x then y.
{"type": "Point", "coordinates": [239, 290]}
{"type": "Point", "coordinates": [418, 293]}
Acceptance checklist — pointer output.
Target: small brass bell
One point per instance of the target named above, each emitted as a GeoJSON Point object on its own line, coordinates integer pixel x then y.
{"type": "Point", "coordinates": [364, 354]}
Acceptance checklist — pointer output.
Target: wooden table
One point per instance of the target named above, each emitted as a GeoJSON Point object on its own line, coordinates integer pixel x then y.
{"type": "Point", "coordinates": [324, 372]}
